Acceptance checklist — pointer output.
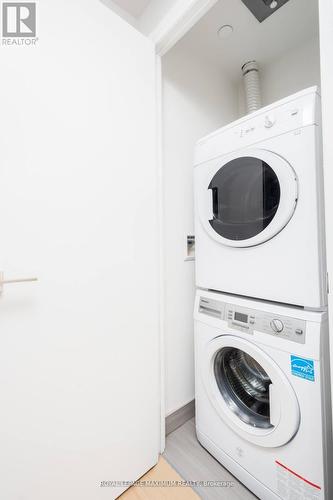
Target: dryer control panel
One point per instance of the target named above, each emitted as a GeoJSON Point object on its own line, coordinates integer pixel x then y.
{"type": "Point", "coordinates": [250, 320]}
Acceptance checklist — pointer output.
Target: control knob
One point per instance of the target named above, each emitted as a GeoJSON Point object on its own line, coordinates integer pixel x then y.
{"type": "Point", "coordinates": [277, 325]}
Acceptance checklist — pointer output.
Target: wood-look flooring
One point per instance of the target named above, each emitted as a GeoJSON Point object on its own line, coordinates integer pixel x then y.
{"type": "Point", "coordinates": [194, 463]}
{"type": "Point", "coordinates": [161, 472]}
{"type": "Point", "coordinates": [185, 459]}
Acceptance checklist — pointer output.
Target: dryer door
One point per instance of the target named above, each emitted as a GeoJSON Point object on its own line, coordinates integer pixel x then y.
{"type": "Point", "coordinates": [246, 198]}
{"type": "Point", "coordinates": [250, 392]}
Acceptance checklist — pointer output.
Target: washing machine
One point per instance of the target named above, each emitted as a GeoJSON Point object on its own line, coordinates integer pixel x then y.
{"type": "Point", "coordinates": [263, 404]}
{"type": "Point", "coordinates": [259, 205]}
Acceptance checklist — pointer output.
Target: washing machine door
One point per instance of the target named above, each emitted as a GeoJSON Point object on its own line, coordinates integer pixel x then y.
{"type": "Point", "coordinates": [247, 198]}
{"type": "Point", "coordinates": [250, 392]}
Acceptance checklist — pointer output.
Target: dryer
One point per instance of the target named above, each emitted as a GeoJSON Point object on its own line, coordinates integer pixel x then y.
{"type": "Point", "coordinates": [259, 205]}
{"type": "Point", "coordinates": [263, 397]}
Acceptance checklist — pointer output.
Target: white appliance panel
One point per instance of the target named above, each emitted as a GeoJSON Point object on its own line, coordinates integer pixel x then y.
{"type": "Point", "coordinates": [301, 463]}
{"type": "Point", "coordinates": [285, 262]}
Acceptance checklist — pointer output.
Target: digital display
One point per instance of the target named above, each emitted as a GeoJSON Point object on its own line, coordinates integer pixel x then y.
{"type": "Point", "coordinates": [243, 318]}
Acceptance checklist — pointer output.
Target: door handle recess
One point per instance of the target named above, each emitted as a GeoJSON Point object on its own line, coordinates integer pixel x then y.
{"type": "Point", "coordinates": [209, 204]}
{"type": "Point", "coordinates": [215, 202]}
{"type": "Point", "coordinates": [274, 407]}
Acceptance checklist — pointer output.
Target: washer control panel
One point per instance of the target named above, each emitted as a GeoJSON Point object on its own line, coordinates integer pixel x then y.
{"type": "Point", "coordinates": [240, 318]}
{"type": "Point", "coordinates": [250, 320]}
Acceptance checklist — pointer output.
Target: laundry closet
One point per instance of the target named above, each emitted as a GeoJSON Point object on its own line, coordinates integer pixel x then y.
{"type": "Point", "coordinates": [251, 194]}
{"type": "Point", "coordinates": [203, 90]}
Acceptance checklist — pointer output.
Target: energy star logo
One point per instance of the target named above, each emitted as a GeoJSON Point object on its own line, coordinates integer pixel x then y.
{"type": "Point", "coordinates": [303, 368]}
{"type": "Point", "coordinates": [19, 23]}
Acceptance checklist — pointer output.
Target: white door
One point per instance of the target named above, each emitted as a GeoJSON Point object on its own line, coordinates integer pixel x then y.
{"type": "Point", "coordinates": [79, 373]}
{"type": "Point", "coordinates": [250, 392]}
{"type": "Point", "coordinates": [247, 197]}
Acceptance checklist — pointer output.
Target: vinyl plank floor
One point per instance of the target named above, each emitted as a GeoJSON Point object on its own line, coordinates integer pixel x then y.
{"type": "Point", "coordinates": [194, 463]}
{"type": "Point", "coordinates": [160, 473]}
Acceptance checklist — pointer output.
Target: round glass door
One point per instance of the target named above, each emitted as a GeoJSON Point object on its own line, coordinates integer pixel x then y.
{"type": "Point", "coordinates": [249, 390]}
{"type": "Point", "coordinates": [244, 385]}
{"type": "Point", "coordinates": [245, 196]}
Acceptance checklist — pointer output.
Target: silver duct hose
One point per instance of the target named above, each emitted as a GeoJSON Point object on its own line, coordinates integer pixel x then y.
{"type": "Point", "coordinates": [252, 86]}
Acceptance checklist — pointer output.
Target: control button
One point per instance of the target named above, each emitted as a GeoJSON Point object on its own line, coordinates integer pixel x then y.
{"type": "Point", "coordinates": [299, 331]}
{"type": "Point", "coordinates": [252, 322]}
{"type": "Point", "coordinates": [269, 121]}
{"type": "Point", "coordinates": [277, 326]}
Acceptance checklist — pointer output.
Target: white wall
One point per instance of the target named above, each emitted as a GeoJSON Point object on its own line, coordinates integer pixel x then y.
{"type": "Point", "coordinates": [196, 100]}
{"type": "Point", "coordinates": [121, 12]}
{"type": "Point", "coordinates": [294, 71]}
{"type": "Point", "coordinates": [161, 15]}
{"type": "Point", "coordinates": [154, 14]}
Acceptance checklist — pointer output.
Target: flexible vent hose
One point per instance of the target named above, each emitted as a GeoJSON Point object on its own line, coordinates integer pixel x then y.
{"type": "Point", "coordinates": [252, 86]}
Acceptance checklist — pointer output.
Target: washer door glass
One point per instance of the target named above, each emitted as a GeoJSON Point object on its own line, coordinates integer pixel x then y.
{"type": "Point", "coordinates": [249, 391]}
{"type": "Point", "coordinates": [246, 196]}
{"type": "Point", "coordinates": [244, 385]}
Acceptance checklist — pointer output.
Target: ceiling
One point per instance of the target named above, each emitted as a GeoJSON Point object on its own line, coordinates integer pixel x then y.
{"type": "Point", "coordinates": [293, 24]}
{"type": "Point", "coordinates": [133, 7]}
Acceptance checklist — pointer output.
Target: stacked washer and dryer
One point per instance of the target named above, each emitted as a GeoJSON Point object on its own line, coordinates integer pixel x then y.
{"type": "Point", "coordinates": [263, 405]}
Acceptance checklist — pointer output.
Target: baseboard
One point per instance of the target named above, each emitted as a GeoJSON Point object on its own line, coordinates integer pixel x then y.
{"type": "Point", "coordinates": [179, 417]}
